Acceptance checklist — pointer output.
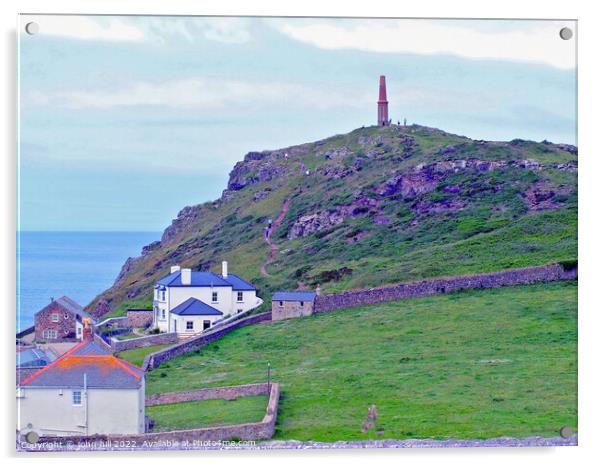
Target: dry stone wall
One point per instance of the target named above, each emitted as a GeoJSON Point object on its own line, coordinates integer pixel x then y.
{"type": "Point", "coordinates": [524, 276]}
{"type": "Point", "coordinates": [223, 393]}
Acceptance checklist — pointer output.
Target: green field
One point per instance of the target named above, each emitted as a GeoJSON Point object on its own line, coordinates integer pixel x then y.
{"type": "Point", "coordinates": [207, 413]}
{"type": "Point", "coordinates": [475, 364]}
{"type": "Point", "coordinates": [136, 356]}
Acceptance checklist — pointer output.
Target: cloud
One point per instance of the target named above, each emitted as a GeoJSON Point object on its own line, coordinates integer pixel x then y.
{"type": "Point", "coordinates": [202, 93]}
{"type": "Point", "coordinates": [86, 27]}
{"type": "Point", "coordinates": [532, 41]}
{"type": "Point", "coordinates": [143, 28]}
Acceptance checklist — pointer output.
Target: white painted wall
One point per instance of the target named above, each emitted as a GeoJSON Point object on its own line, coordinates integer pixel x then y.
{"type": "Point", "coordinates": [50, 411]}
{"type": "Point", "coordinates": [178, 323]}
{"type": "Point", "coordinates": [227, 302]}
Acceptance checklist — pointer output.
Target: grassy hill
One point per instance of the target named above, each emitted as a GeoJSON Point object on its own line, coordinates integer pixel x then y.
{"type": "Point", "coordinates": [377, 205]}
{"type": "Point", "coordinates": [474, 364]}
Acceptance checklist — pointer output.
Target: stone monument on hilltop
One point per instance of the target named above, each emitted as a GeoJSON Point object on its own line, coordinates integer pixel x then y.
{"type": "Point", "coordinates": [383, 104]}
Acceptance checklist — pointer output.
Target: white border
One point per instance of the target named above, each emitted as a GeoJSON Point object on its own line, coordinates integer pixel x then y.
{"type": "Point", "coordinates": [590, 142]}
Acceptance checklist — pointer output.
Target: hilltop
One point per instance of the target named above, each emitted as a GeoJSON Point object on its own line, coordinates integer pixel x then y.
{"type": "Point", "coordinates": [375, 206]}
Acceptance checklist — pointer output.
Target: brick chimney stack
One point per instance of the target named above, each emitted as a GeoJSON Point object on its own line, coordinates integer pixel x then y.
{"type": "Point", "coordinates": [87, 331]}
{"type": "Point", "coordinates": [382, 104]}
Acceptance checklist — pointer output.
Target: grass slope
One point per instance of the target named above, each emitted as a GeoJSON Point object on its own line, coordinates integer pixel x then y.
{"type": "Point", "coordinates": [207, 413]}
{"type": "Point", "coordinates": [136, 356]}
{"type": "Point", "coordinates": [474, 364]}
{"type": "Point", "coordinates": [469, 221]}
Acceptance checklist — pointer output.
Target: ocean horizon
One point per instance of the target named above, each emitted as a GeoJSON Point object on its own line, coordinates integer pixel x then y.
{"type": "Point", "coordinates": [78, 264]}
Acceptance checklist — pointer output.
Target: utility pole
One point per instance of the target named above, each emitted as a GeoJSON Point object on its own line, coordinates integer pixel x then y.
{"type": "Point", "coordinates": [269, 374]}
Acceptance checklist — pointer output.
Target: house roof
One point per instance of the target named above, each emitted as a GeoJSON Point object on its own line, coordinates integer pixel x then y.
{"type": "Point", "coordinates": [206, 279]}
{"type": "Point", "coordinates": [34, 357]}
{"type": "Point", "coordinates": [69, 305]}
{"type": "Point", "coordinates": [293, 296]}
{"type": "Point", "coordinates": [194, 307]}
{"type": "Point", "coordinates": [238, 284]}
{"type": "Point", "coordinates": [88, 361]}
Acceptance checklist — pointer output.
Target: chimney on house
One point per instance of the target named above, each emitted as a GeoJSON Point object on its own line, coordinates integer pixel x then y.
{"type": "Point", "coordinates": [225, 269]}
{"type": "Point", "coordinates": [175, 268]}
{"type": "Point", "coordinates": [186, 276]}
{"type": "Point", "coordinates": [318, 290]}
{"type": "Point", "coordinates": [87, 332]}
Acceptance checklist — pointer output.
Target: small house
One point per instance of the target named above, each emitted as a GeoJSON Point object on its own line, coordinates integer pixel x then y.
{"type": "Point", "coordinates": [188, 302]}
{"type": "Point", "coordinates": [61, 320]}
{"type": "Point", "coordinates": [289, 304]}
{"type": "Point", "coordinates": [86, 391]}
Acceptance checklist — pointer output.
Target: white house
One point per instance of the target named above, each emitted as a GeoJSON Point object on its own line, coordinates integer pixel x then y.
{"type": "Point", "coordinates": [189, 302]}
{"type": "Point", "coordinates": [84, 392]}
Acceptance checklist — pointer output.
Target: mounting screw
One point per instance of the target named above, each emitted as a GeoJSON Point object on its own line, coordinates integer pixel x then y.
{"type": "Point", "coordinates": [566, 432]}
{"type": "Point", "coordinates": [32, 28]}
{"type": "Point", "coordinates": [566, 33]}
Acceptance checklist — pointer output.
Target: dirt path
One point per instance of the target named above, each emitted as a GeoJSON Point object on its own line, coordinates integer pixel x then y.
{"type": "Point", "coordinates": [268, 239]}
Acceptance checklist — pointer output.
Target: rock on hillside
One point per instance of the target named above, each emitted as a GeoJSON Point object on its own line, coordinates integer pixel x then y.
{"type": "Point", "coordinates": [386, 203]}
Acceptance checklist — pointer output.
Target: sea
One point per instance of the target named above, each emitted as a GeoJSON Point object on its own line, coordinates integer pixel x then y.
{"type": "Point", "coordinates": [80, 265]}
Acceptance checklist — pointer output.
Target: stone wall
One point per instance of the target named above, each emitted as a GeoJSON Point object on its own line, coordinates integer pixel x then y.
{"type": "Point", "coordinates": [290, 309]}
{"type": "Point", "coordinates": [137, 318]}
{"type": "Point", "coordinates": [153, 360]}
{"type": "Point", "coordinates": [524, 276]}
{"type": "Point", "coordinates": [133, 343]}
{"type": "Point", "coordinates": [224, 393]}
{"type": "Point", "coordinates": [263, 429]}
{"type": "Point", "coordinates": [149, 340]}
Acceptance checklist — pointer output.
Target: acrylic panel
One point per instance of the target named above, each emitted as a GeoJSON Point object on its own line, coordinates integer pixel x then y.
{"type": "Point", "coordinates": [277, 232]}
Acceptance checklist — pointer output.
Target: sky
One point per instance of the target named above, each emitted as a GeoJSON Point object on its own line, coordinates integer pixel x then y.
{"type": "Point", "coordinates": [123, 121]}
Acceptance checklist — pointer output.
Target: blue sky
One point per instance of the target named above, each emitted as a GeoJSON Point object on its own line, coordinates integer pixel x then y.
{"type": "Point", "coordinates": [125, 120]}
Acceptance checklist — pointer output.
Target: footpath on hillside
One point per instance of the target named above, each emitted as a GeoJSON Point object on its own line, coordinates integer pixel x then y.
{"type": "Point", "coordinates": [268, 238]}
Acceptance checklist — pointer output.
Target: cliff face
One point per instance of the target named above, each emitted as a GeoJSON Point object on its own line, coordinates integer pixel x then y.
{"type": "Point", "coordinates": [384, 204]}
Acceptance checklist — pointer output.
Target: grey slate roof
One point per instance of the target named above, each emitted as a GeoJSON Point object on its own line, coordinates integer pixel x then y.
{"type": "Point", "coordinates": [195, 307]}
{"type": "Point", "coordinates": [71, 306]}
{"type": "Point", "coordinates": [293, 296]}
{"type": "Point", "coordinates": [101, 370]}
{"type": "Point", "coordinates": [34, 357]}
{"type": "Point", "coordinates": [207, 279]}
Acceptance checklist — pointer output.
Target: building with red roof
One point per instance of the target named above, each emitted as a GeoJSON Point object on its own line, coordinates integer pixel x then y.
{"type": "Point", "coordinates": [86, 391]}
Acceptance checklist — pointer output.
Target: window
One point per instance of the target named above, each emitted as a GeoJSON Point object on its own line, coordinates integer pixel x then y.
{"type": "Point", "coordinates": [49, 333]}
{"type": "Point", "coordinates": [77, 398]}
{"type": "Point", "coordinates": [301, 303]}
{"type": "Point", "coordinates": [163, 296]}
{"type": "Point", "coordinates": [239, 296]}
{"type": "Point", "coordinates": [206, 324]}
{"type": "Point", "coordinates": [163, 314]}
{"type": "Point", "coordinates": [55, 317]}
{"type": "Point", "coordinates": [79, 331]}
{"type": "Point", "coordinates": [238, 311]}
{"type": "Point", "coordinates": [189, 325]}
{"type": "Point", "coordinates": [281, 303]}
{"type": "Point", "coordinates": [214, 296]}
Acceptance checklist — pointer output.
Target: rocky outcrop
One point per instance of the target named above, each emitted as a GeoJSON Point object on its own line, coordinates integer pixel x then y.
{"type": "Point", "coordinates": [410, 185]}
{"type": "Point", "coordinates": [101, 307]}
{"type": "Point", "coordinates": [247, 173]}
{"type": "Point", "coordinates": [310, 224]}
{"type": "Point", "coordinates": [187, 216]}
{"type": "Point", "coordinates": [126, 268]}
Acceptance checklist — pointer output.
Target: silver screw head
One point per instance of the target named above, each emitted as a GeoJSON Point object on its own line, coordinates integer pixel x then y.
{"type": "Point", "coordinates": [566, 33]}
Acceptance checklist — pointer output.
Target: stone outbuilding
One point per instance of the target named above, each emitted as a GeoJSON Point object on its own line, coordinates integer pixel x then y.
{"type": "Point", "coordinates": [289, 304]}
{"type": "Point", "coordinates": [61, 320]}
